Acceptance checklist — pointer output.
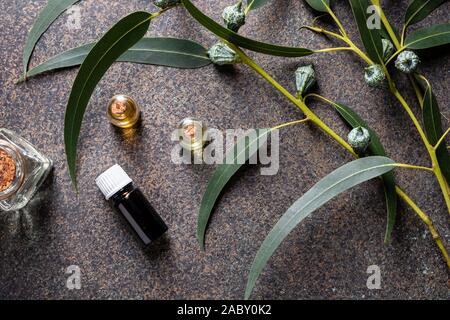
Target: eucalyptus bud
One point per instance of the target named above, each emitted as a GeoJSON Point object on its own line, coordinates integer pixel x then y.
{"type": "Point", "coordinates": [374, 75]}
{"type": "Point", "coordinates": [222, 54]}
{"type": "Point", "coordinates": [388, 48]}
{"type": "Point", "coordinates": [305, 78]}
{"type": "Point", "coordinates": [163, 4]}
{"type": "Point", "coordinates": [234, 17]}
{"type": "Point", "coordinates": [407, 61]}
{"type": "Point", "coordinates": [359, 139]}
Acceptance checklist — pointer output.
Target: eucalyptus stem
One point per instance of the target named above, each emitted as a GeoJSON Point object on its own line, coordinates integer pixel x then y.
{"type": "Point", "coordinates": [336, 19]}
{"type": "Point", "coordinates": [333, 49]}
{"type": "Point", "coordinates": [325, 31]}
{"type": "Point", "coordinates": [289, 124]}
{"type": "Point", "coordinates": [416, 88]}
{"type": "Point", "coordinates": [431, 150]}
{"type": "Point", "coordinates": [402, 37]}
{"type": "Point", "coordinates": [386, 24]}
{"type": "Point", "coordinates": [410, 166]}
{"type": "Point", "coordinates": [410, 113]}
{"type": "Point", "coordinates": [426, 219]}
{"type": "Point", "coordinates": [441, 139]}
{"type": "Point", "coordinates": [344, 38]}
{"type": "Point", "coordinates": [396, 53]}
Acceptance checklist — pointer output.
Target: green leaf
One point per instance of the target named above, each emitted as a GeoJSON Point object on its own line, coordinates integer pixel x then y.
{"type": "Point", "coordinates": [429, 37]}
{"type": "Point", "coordinates": [433, 129]}
{"type": "Point", "coordinates": [375, 149]}
{"type": "Point", "coordinates": [47, 16]}
{"type": "Point", "coordinates": [108, 49]}
{"type": "Point", "coordinates": [371, 38]}
{"type": "Point", "coordinates": [318, 5]}
{"type": "Point", "coordinates": [255, 4]}
{"type": "Point", "coordinates": [170, 52]}
{"type": "Point", "coordinates": [244, 148]}
{"type": "Point", "coordinates": [241, 41]}
{"type": "Point", "coordinates": [338, 181]}
{"type": "Point", "coordinates": [420, 9]}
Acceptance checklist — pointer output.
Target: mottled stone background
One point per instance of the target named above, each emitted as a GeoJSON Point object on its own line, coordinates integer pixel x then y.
{"type": "Point", "coordinates": [325, 257]}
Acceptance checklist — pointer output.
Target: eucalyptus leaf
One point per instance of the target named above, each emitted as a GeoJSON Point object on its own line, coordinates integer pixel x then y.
{"type": "Point", "coordinates": [122, 36]}
{"type": "Point", "coordinates": [244, 148]}
{"type": "Point", "coordinates": [375, 149]}
{"type": "Point", "coordinates": [433, 128]}
{"type": "Point", "coordinates": [255, 4]}
{"type": "Point", "coordinates": [429, 37]}
{"type": "Point", "coordinates": [318, 5]}
{"type": "Point", "coordinates": [371, 38]}
{"type": "Point", "coordinates": [170, 52]}
{"type": "Point", "coordinates": [47, 16]}
{"type": "Point", "coordinates": [338, 181]}
{"type": "Point", "coordinates": [420, 9]}
{"type": "Point", "coordinates": [241, 41]}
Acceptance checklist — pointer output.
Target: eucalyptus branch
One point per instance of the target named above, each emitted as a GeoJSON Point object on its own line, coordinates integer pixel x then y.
{"type": "Point", "coordinates": [311, 116]}
{"type": "Point", "coordinates": [403, 195]}
{"type": "Point", "coordinates": [431, 151]}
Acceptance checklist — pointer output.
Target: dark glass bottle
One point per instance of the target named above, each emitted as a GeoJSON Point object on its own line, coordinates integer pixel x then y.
{"type": "Point", "coordinates": [130, 202]}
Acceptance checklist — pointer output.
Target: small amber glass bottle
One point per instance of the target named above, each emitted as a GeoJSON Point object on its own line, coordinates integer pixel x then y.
{"type": "Point", "coordinates": [193, 134]}
{"type": "Point", "coordinates": [123, 111]}
{"type": "Point", "coordinates": [130, 202]}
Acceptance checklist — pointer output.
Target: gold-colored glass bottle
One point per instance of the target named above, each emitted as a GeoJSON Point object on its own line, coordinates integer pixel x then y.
{"type": "Point", "coordinates": [123, 111]}
{"type": "Point", "coordinates": [193, 135]}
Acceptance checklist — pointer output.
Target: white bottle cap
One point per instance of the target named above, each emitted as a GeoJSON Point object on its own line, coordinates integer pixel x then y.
{"type": "Point", "coordinates": [112, 180]}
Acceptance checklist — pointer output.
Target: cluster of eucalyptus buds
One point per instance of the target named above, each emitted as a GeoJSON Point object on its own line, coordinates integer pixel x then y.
{"type": "Point", "coordinates": [407, 62]}
{"type": "Point", "coordinates": [234, 18]}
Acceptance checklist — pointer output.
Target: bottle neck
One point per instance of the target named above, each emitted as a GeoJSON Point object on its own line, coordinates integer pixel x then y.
{"type": "Point", "coordinates": [122, 193]}
{"type": "Point", "coordinates": [13, 169]}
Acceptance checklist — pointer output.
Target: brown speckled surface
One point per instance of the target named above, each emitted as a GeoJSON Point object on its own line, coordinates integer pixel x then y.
{"type": "Point", "coordinates": [325, 257]}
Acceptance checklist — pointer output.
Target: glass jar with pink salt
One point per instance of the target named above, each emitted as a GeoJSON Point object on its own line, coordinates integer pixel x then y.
{"type": "Point", "coordinates": [23, 169]}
